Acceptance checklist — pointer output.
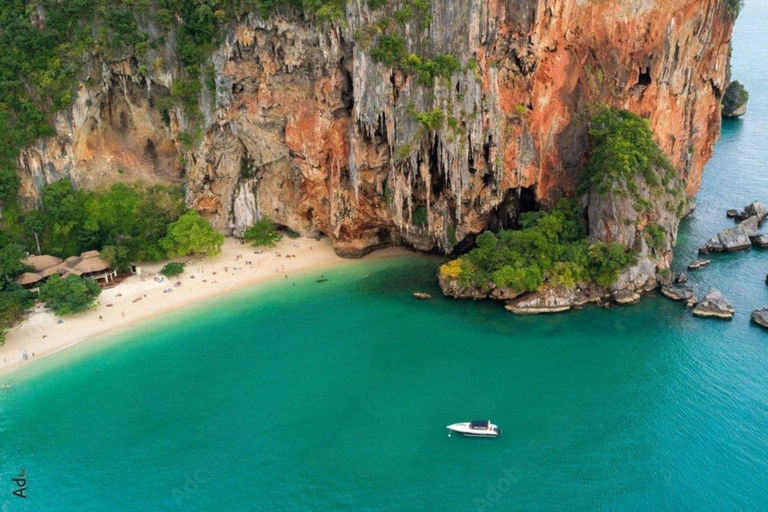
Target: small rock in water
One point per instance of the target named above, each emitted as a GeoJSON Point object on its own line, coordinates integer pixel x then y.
{"type": "Point", "coordinates": [682, 278]}
{"type": "Point", "coordinates": [732, 213]}
{"type": "Point", "coordinates": [696, 265]}
{"type": "Point", "coordinates": [422, 295]}
{"type": "Point", "coordinates": [626, 297]}
{"type": "Point", "coordinates": [714, 305]}
{"type": "Point", "coordinates": [760, 241]}
{"type": "Point", "coordinates": [677, 292]}
{"type": "Point", "coordinates": [760, 317]}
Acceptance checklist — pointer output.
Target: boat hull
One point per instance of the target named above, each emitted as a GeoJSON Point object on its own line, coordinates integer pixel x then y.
{"type": "Point", "coordinates": [467, 430]}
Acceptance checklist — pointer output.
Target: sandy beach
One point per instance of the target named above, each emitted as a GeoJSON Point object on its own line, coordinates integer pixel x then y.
{"type": "Point", "coordinates": [141, 297]}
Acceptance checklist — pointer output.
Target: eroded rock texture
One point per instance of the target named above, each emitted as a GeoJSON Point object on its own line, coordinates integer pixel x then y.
{"type": "Point", "coordinates": [304, 127]}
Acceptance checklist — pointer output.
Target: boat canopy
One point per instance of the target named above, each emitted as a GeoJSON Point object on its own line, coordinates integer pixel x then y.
{"type": "Point", "coordinates": [479, 424]}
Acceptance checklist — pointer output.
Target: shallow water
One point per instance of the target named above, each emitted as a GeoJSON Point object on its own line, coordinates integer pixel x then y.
{"type": "Point", "coordinates": [334, 395]}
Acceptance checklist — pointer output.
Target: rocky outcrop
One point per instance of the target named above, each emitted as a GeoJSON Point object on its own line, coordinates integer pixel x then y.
{"type": "Point", "coordinates": [733, 239]}
{"type": "Point", "coordinates": [421, 296]}
{"type": "Point", "coordinates": [760, 317]}
{"type": "Point", "coordinates": [625, 297]}
{"type": "Point", "coordinates": [698, 264]}
{"type": "Point", "coordinates": [742, 236]}
{"type": "Point", "coordinates": [735, 100]}
{"type": "Point", "coordinates": [551, 300]}
{"type": "Point", "coordinates": [754, 209]}
{"type": "Point", "coordinates": [677, 292]}
{"type": "Point", "coordinates": [299, 123]}
{"type": "Point", "coordinates": [714, 305]}
{"type": "Point", "coordinates": [452, 288]}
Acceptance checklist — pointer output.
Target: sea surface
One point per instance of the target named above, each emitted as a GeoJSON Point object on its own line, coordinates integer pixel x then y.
{"type": "Point", "coordinates": [334, 395]}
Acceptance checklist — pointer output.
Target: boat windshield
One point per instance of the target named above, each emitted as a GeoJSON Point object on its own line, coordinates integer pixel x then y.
{"type": "Point", "coordinates": [479, 424]}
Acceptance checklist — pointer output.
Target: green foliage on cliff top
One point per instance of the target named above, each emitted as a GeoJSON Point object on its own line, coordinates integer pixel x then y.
{"type": "Point", "coordinates": [623, 148]}
{"type": "Point", "coordinates": [550, 248]}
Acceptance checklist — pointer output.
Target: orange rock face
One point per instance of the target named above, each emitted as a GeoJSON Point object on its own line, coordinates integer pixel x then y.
{"type": "Point", "coordinates": [304, 127]}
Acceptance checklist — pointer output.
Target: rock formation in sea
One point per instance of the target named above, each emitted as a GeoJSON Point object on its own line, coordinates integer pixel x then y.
{"type": "Point", "coordinates": [760, 317]}
{"type": "Point", "coordinates": [744, 235]}
{"type": "Point", "coordinates": [714, 305]}
{"type": "Point", "coordinates": [735, 100]}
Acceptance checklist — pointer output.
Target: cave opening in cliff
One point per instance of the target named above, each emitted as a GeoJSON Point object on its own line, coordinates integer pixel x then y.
{"type": "Point", "coordinates": [644, 78]}
{"type": "Point", "coordinates": [516, 202]}
{"type": "Point", "coordinates": [526, 197]}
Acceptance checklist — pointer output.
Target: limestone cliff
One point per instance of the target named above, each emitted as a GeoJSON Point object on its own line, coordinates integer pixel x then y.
{"type": "Point", "coordinates": [306, 127]}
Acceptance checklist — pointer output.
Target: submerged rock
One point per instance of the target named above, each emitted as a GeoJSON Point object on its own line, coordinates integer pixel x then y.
{"type": "Point", "coordinates": [696, 265]}
{"type": "Point", "coordinates": [714, 305]}
{"type": "Point", "coordinates": [760, 317]}
{"type": "Point", "coordinates": [733, 239]}
{"type": "Point", "coordinates": [625, 297]}
{"type": "Point", "coordinates": [552, 300]}
{"type": "Point", "coordinates": [677, 292]}
{"type": "Point", "coordinates": [422, 296]}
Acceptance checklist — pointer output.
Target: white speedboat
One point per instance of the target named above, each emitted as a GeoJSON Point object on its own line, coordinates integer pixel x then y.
{"type": "Point", "coordinates": [480, 428]}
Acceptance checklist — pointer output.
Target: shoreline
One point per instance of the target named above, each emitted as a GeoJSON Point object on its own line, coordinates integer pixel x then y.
{"type": "Point", "coordinates": [140, 298]}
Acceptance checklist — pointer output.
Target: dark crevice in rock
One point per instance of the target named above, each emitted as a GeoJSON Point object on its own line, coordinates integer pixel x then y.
{"type": "Point", "coordinates": [644, 78]}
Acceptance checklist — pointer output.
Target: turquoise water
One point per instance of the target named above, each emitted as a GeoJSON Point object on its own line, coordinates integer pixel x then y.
{"type": "Point", "coordinates": [334, 395]}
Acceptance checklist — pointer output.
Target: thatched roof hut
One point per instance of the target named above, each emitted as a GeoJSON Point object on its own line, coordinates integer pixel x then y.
{"type": "Point", "coordinates": [42, 262]}
{"type": "Point", "coordinates": [28, 278]}
{"type": "Point", "coordinates": [91, 264]}
{"type": "Point", "coordinates": [60, 269]}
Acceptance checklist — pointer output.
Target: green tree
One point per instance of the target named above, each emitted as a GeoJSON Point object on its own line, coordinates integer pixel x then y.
{"type": "Point", "coordinates": [192, 234]}
{"type": "Point", "coordinates": [262, 233]}
{"type": "Point", "coordinates": [11, 264]}
{"type": "Point", "coordinates": [14, 302]}
{"type": "Point", "coordinates": [69, 295]}
{"type": "Point", "coordinates": [172, 269]}
{"type": "Point", "coordinates": [118, 256]}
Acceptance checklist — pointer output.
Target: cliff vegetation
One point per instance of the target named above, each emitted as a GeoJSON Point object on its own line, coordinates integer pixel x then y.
{"type": "Point", "coordinates": [554, 248]}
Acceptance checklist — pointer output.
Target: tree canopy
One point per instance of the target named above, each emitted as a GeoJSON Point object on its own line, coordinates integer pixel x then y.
{"type": "Point", "coordinates": [11, 264]}
{"type": "Point", "coordinates": [172, 269]}
{"type": "Point", "coordinates": [14, 301]}
{"type": "Point", "coordinates": [262, 233]}
{"type": "Point", "coordinates": [66, 296]}
{"type": "Point", "coordinates": [192, 234]}
{"type": "Point", "coordinates": [550, 248]}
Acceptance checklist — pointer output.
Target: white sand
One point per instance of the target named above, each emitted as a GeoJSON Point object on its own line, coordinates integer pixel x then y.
{"type": "Point", "coordinates": [141, 297]}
